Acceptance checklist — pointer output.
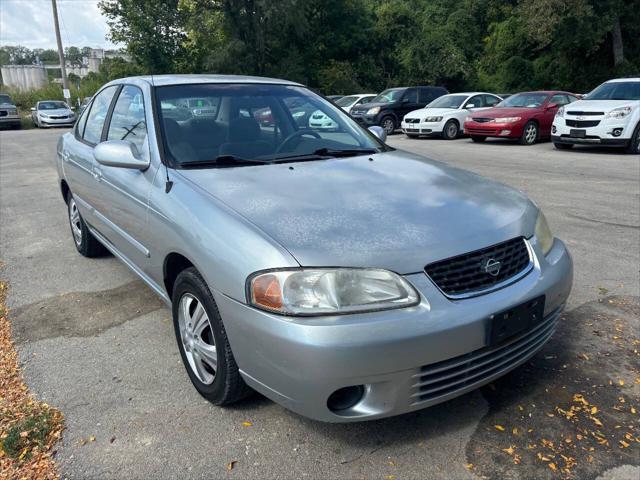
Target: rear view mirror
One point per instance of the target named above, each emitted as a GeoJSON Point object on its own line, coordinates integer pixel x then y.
{"type": "Point", "coordinates": [118, 153]}
{"type": "Point", "coordinates": [379, 132]}
{"type": "Point", "coordinates": [551, 106]}
{"type": "Point", "coordinates": [33, 109]}
{"type": "Point", "coordinates": [470, 105]}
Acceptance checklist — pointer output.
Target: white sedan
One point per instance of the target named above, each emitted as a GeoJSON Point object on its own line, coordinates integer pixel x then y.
{"type": "Point", "coordinates": [350, 101]}
{"type": "Point", "coordinates": [445, 115]}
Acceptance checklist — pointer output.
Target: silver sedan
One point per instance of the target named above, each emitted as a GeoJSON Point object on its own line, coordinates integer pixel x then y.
{"type": "Point", "coordinates": [342, 278]}
{"type": "Point", "coordinates": [52, 113]}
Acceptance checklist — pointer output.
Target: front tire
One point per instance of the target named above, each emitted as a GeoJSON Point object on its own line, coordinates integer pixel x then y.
{"type": "Point", "coordinates": [203, 343]}
{"type": "Point", "coordinates": [85, 242]}
{"type": "Point", "coordinates": [388, 123]}
{"type": "Point", "coordinates": [451, 130]}
{"type": "Point", "coordinates": [563, 146]}
{"type": "Point", "coordinates": [634, 143]}
{"type": "Point", "coordinates": [530, 134]}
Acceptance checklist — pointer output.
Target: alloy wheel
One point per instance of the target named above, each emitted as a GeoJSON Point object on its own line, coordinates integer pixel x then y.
{"type": "Point", "coordinates": [197, 338]}
{"type": "Point", "coordinates": [531, 133]}
{"type": "Point", "coordinates": [388, 125]}
{"type": "Point", "coordinates": [76, 222]}
{"type": "Point", "coordinates": [452, 130]}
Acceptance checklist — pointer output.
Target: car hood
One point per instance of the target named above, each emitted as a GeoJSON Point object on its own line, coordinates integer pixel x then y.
{"type": "Point", "coordinates": [431, 112]}
{"type": "Point", "coordinates": [505, 112]}
{"type": "Point", "coordinates": [399, 211]}
{"type": "Point", "coordinates": [57, 111]}
{"type": "Point", "coordinates": [599, 105]}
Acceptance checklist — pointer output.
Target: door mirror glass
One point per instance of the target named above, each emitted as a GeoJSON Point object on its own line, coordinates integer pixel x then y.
{"type": "Point", "coordinates": [119, 153]}
{"type": "Point", "coordinates": [379, 132]}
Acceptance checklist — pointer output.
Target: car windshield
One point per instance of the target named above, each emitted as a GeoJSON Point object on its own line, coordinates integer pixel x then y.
{"type": "Point", "coordinates": [448, 101]}
{"type": "Point", "coordinates": [51, 105]}
{"type": "Point", "coordinates": [5, 99]}
{"type": "Point", "coordinates": [524, 100]}
{"type": "Point", "coordinates": [254, 124]}
{"type": "Point", "coordinates": [390, 95]}
{"type": "Point", "coordinates": [616, 91]}
{"type": "Point", "coordinates": [347, 101]}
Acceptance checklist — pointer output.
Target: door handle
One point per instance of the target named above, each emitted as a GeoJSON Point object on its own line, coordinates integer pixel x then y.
{"type": "Point", "coordinates": [97, 174]}
{"type": "Point", "coordinates": [65, 156]}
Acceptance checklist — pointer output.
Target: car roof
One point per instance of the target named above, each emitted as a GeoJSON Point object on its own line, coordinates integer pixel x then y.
{"type": "Point", "coordinates": [471, 93]}
{"type": "Point", "coordinates": [187, 79]}
{"type": "Point", "coordinates": [629, 79]}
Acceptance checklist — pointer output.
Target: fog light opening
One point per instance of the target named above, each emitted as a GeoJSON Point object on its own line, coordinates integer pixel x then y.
{"type": "Point", "coordinates": [345, 398]}
{"type": "Point", "coordinates": [617, 132]}
{"type": "Point", "coordinates": [505, 132]}
{"type": "Point", "coordinates": [554, 129]}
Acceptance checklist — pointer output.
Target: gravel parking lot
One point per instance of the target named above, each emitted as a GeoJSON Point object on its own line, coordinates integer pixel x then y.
{"type": "Point", "coordinates": [96, 343]}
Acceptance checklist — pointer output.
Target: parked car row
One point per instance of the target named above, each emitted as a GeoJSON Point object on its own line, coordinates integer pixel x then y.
{"type": "Point", "coordinates": [608, 116]}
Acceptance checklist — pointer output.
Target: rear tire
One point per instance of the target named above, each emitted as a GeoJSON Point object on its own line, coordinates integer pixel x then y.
{"type": "Point", "coordinates": [203, 343]}
{"type": "Point", "coordinates": [451, 130]}
{"type": "Point", "coordinates": [634, 143]}
{"type": "Point", "coordinates": [563, 146]}
{"type": "Point", "coordinates": [478, 139]}
{"type": "Point", "coordinates": [530, 134]}
{"type": "Point", "coordinates": [85, 242]}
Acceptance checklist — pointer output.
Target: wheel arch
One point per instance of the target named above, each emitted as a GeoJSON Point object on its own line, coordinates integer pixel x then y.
{"type": "Point", "coordinates": [173, 264]}
{"type": "Point", "coordinates": [64, 189]}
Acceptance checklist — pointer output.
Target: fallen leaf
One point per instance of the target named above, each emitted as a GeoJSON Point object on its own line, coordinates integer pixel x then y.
{"type": "Point", "coordinates": [515, 430]}
{"type": "Point", "coordinates": [633, 410]}
{"type": "Point", "coordinates": [247, 424]}
{"type": "Point", "coordinates": [594, 410]}
{"type": "Point", "coordinates": [583, 356]}
{"type": "Point", "coordinates": [509, 450]}
{"type": "Point", "coordinates": [24, 434]}
{"type": "Point", "coordinates": [231, 465]}
{"type": "Point", "coordinates": [621, 383]}
{"type": "Point", "coordinates": [92, 438]}
{"type": "Point", "coordinates": [469, 466]}
{"type": "Point", "coordinates": [112, 439]}
{"type": "Point", "coordinates": [553, 466]}
{"type": "Point", "coordinates": [499, 427]}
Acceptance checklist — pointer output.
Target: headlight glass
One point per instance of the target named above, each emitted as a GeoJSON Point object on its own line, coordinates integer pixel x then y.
{"type": "Point", "coordinates": [44, 115]}
{"type": "Point", "coordinates": [560, 112]}
{"type": "Point", "coordinates": [329, 291]}
{"type": "Point", "coordinates": [373, 111]}
{"type": "Point", "coordinates": [433, 119]}
{"type": "Point", "coordinates": [543, 233]}
{"type": "Point", "coordinates": [619, 112]}
{"type": "Point", "coordinates": [507, 119]}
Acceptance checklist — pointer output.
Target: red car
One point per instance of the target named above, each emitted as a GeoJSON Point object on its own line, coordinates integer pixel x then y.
{"type": "Point", "coordinates": [525, 116]}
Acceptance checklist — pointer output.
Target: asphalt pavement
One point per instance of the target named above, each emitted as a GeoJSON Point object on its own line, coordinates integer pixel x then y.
{"type": "Point", "coordinates": [96, 343]}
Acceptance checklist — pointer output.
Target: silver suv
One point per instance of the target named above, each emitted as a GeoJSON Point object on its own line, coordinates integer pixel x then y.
{"type": "Point", "coordinates": [342, 278]}
{"type": "Point", "coordinates": [9, 112]}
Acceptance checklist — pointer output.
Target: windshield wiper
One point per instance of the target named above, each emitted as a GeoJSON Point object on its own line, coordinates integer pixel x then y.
{"type": "Point", "coordinates": [324, 153]}
{"type": "Point", "coordinates": [223, 161]}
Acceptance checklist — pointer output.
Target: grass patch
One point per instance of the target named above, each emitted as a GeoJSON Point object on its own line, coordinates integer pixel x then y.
{"type": "Point", "coordinates": [28, 435]}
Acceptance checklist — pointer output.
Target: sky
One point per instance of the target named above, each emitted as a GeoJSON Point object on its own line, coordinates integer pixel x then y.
{"type": "Point", "coordinates": [30, 23]}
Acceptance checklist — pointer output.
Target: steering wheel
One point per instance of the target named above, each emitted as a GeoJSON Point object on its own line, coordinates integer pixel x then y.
{"type": "Point", "coordinates": [294, 135]}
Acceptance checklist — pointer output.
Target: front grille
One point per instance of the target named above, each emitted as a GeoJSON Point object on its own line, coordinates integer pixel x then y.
{"type": "Point", "coordinates": [585, 114]}
{"type": "Point", "coordinates": [466, 371]}
{"type": "Point", "coordinates": [467, 274]}
{"type": "Point", "coordinates": [482, 131]}
{"type": "Point", "coordinates": [582, 123]}
{"type": "Point", "coordinates": [57, 117]}
{"type": "Point", "coordinates": [413, 130]}
{"type": "Point", "coordinates": [412, 120]}
{"type": "Point", "coordinates": [482, 120]}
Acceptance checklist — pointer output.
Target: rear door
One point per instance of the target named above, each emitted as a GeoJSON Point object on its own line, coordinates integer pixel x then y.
{"type": "Point", "coordinates": [408, 103]}
{"type": "Point", "coordinates": [77, 156]}
{"type": "Point", "coordinates": [122, 193]}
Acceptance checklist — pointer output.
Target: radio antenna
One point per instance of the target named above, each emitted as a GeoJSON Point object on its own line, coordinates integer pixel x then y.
{"type": "Point", "coordinates": [169, 184]}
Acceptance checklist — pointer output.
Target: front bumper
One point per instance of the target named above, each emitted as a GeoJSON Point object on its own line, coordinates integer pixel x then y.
{"type": "Point", "coordinates": [299, 363]}
{"type": "Point", "coordinates": [491, 129]}
{"type": "Point", "coordinates": [57, 122]}
{"type": "Point", "coordinates": [601, 134]}
{"type": "Point", "coordinates": [10, 120]}
{"type": "Point", "coordinates": [423, 128]}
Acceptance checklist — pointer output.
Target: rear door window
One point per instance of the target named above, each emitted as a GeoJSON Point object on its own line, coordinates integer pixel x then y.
{"type": "Point", "coordinates": [411, 95]}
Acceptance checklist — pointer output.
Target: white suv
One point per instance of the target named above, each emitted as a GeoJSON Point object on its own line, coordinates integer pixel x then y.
{"type": "Point", "coordinates": [609, 115]}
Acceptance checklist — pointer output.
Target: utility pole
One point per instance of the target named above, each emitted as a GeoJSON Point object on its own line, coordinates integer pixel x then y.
{"type": "Point", "coordinates": [63, 68]}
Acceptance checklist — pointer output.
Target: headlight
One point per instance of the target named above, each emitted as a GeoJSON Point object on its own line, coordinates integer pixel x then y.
{"type": "Point", "coordinates": [507, 119]}
{"type": "Point", "coordinates": [543, 233]}
{"type": "Point", "coordinates": [433, 119]}
{"type": "Point", "coordinates": [468, 119]}
{"type": "Point", "coordinates": [373, 111]}
{"type": "Point", "coordinates": [329, 291]}
{"type": "Point", "coordinates": [619, 112]}
{"type": "Point", "coordinates": [560, 112]}
{"type": "Point", "coordinates": [44, 115]}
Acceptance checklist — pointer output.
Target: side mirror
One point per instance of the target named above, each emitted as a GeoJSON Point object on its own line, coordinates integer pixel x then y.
{"type": "Point", "coordinates": [470, 105]}
{"type": "Point", "coordinates": [33, 109]}
{"type": "Point", "coordinates": [379, 132]}
{"type": "Point", "coordinates": [118, 153]}
{"type": "Point", "coordinates": [551, 106]}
